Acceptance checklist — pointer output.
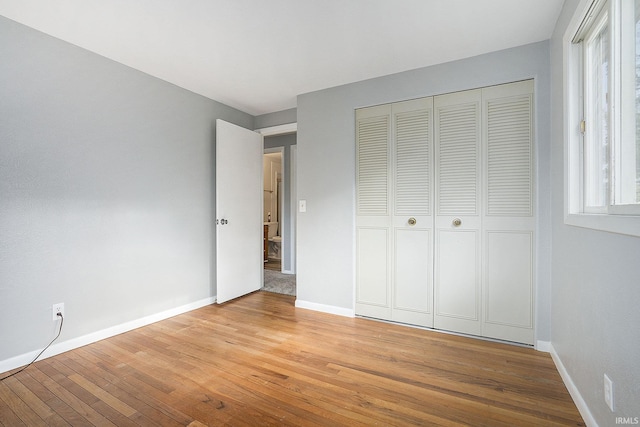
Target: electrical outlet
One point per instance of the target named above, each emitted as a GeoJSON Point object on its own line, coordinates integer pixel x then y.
{"type": "Point", "coordinates": [608, 391]}
{"type": "Point", "coordinates": [58, 308]}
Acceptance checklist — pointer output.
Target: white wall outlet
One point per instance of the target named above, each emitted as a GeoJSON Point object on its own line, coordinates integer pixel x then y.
{"type": "Point", "coordinates": [58, 308]}
{"type": "Point", "coordinates": [302, 207]}
{"type": "Point", "coordinates": [608, 391]}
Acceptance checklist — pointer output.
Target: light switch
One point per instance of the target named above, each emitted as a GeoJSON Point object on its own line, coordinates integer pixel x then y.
{"type": "Point", "coordinates": [302, 206]}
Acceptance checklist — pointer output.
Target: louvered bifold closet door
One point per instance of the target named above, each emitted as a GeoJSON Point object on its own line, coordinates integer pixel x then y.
{"type": "Point", "coordinates": [508, 214]}
{"type": "Point", "coordinates": [457, 284]}
{"type": "Point", "coordinates": [412, 154]}
{"type": "Point", "coordinates": [373, 212]}
{"type": "Point", "coordinates": [445, 212]}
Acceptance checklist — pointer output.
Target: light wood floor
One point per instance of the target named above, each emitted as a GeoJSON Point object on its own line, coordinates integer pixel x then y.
{"type": "Point", "coordinates": [260, 361]}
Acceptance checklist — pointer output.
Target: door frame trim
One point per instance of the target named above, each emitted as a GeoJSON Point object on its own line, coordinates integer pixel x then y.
{"type": "Point", "coordinates": [278, 130]}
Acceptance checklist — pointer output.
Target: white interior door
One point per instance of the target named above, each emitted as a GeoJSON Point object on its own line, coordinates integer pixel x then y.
{"type": "Point", "coordinates": [239, 228]}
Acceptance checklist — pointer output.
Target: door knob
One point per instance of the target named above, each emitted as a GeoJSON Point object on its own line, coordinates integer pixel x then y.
{"type": "Point", "coordinates": [412, 221]}
{"type": "Point", "coordinates": [457, 222]}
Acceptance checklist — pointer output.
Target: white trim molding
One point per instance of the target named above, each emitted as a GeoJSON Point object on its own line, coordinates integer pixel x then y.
{"type": "Point", "coordinates": [544, 346]}
{"type": "Point", "coordinates": [23, 359]}
{"type": "Point", "coordinates": [330, 309]}
{"type": "Point", "coordinates": [278, 130]}
{"type": "Point", "coordinates": [588, 418]}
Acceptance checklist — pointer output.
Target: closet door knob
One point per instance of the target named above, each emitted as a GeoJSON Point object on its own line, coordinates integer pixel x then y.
{"type": "Point", "coordinates": [412, 221]}
{"type": "Point", "coordinates": [457, 222]}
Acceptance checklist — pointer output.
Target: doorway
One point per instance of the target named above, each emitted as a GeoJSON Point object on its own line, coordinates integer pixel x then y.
{"type": "Point", "coordinates": [273, 208]}
{"type": "Point", "coordinates": [279, 206]}
{"type": "Point", "coordinates": [282, 141]}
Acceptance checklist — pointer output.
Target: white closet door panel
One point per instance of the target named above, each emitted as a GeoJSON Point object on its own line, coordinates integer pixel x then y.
{"type": "Point", "coordinates": [508, 221]}
{"type": "Point", "coordinates": [413, 290]}
{"type": "Point", "coordinates": [508, 114]}
{"type": "Point", "coordinates": [508, 299]}
{"type": "Point", "coordinates": [457, 221]}
{"type": "Point", "coordinates": [372, 151]}
{"type": "Point", "coordinates": [413, 135]}
{"type": "Point", "coordinates": [372, 284]}
{"type": "Point", "coordinates": [457, 284]}
{"type": "Point", "coordinates": [412, 152]}
{"type": "Point", "coordinates": [457, 133]}
{"type": "Point", "coordinates": [373, 212]}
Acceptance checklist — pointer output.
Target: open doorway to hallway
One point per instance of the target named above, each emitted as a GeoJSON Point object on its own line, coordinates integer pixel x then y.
{"type": "Point", "coordinates": [280, 200]}
{"type": "Point", "coordinates": [279, 212]}
{"type": "Point", "coordinates": [273, 207]}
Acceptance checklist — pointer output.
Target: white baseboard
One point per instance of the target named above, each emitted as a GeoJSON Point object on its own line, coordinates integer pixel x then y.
{"type": "Point", "coordinates": [340, 311]}
{"type": "Point", "coordinates": [589, 420]}
{"type": "Point", "coordinates": [61, 347]}
{"type": "Point", "coordinates": [544, 346]}
{"type": "Point", "coordinates": [288, 272]}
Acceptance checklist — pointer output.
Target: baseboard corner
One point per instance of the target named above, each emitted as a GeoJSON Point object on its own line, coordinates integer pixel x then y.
{"type": "Point", "coordinates": [544, 346]}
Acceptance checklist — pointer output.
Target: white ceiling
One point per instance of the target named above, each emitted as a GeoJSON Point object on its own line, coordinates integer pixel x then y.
{"type": "Point", "coordinates": [257, 55]}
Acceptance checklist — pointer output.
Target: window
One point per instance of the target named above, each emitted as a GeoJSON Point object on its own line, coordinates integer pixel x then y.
{"type": "Point", "coordinates": [596, 54]}
{"type": "Point", "coordinates": [602, 61]}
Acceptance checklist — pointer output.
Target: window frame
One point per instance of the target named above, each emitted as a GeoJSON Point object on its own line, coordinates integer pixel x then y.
{"type": "Point", "coordinates": [624, 219]}
{"type": "Point", "coordinates": [589, 80]}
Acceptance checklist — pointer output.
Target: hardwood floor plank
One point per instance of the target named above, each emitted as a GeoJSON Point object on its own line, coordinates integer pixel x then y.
{"type": "Point", "coordinates": [189, 390]}
{"type": "Point", "coordinates": [261, 387]}
{"type": "Point", "coordinates": [103, 395]}
{"type": "Point", "coordinates": [65, 415]}
{"type": "Point", "coordinates": [8, 418]}
{"type": "Point", "coordinates": [19, 412]}
{"type": "Point", "coordinates": [258, 360]}
{"type": "Point", "coordinates": [36, 405]}
{"type": "Point", "coordinates": [61, 387]}
{"type": "Point", "coordinates": [120, 381]}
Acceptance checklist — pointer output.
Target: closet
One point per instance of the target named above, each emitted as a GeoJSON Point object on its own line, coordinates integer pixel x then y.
{"type": "Point", "coordinates": [444, 212]}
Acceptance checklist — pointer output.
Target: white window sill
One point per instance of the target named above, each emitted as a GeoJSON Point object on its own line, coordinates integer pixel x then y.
{"type": "Point", "coordinates": [622, 224]}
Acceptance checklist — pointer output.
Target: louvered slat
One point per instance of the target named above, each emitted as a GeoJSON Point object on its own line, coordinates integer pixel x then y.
{"type": "Point", "coordinates": [372, 150]}
{"type": "Point", "coordinates": [412, 168]}
{"type": "Point", "coordinates": [457, 160]}
{"type": "Point", "coordinates": [509, 159]}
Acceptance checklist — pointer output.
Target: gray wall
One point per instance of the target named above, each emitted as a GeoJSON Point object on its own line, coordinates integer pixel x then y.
{"type": "Point", "coordinates": [275, 119]}
{"type": "Point", "coordinates": [285, 141]}
{"type": "Point", "coordinates": [326, 165]}
{"type": "Point", "coordinates": [595, 313]}
{"type": "Point", "coordinates": [106, 191]}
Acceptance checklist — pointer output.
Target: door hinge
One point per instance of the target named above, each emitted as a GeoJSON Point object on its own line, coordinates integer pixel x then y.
{"type": "Point", "coordinates": [583, 126]}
